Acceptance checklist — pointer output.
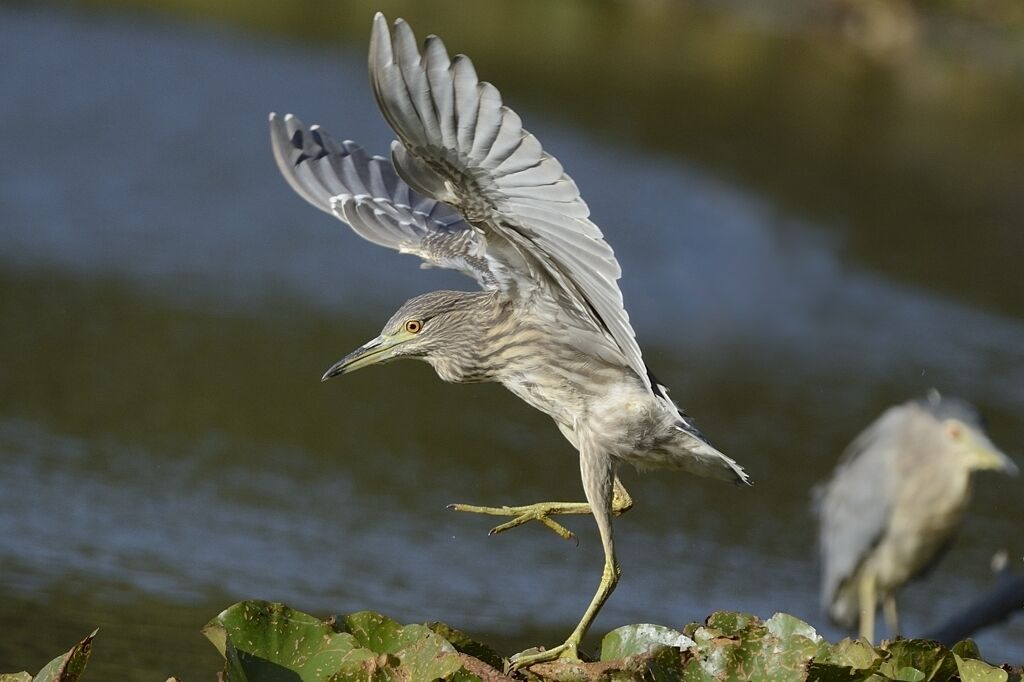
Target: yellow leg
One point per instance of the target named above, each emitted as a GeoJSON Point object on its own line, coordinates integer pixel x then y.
{"type": "Point", "coordinates": [543, 511]}
{"type": "Point", "coordinates": [868, 605]}
{"type": "Point", "coordinates": [569, 650]}
{"type": "Point", "coordinates": [892, 616]}
{"type": "Point", "coordinates": [599, 483]}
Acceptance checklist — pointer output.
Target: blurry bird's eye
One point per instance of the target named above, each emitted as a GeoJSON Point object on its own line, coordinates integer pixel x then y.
{"type": "Point", "coordinates": [955, 430]}
{"type": "Point", "coordinates": [413, 326]}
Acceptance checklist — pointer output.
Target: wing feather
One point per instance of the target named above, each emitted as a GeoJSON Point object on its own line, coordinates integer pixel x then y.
{"type": "Point", "coordinates": [438, 67]}
{"type": "Point", "coordinates": [461, 145]}
{"type": "Point", "coordinates": [366, 192]}
{"type": "Point", "coordinates": [467, 99]}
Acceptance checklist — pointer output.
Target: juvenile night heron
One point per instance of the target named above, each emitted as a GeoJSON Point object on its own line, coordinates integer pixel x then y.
{"type": "Point", "coordinates": [476, 193]}
{"type": "Point", "coordinates": [892, 505]}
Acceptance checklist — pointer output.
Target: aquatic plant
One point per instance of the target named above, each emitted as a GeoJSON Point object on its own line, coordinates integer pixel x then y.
{"type": "Point", "coordinates": [270, 642]}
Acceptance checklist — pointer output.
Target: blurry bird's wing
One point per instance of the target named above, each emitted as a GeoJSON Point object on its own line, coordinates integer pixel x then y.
{"type": "Point", "coordinates": [461, 145]}
{"type": "Point", "coordinates": [365, 192]}
{"type": "Point", "coordinates": [855, 505]}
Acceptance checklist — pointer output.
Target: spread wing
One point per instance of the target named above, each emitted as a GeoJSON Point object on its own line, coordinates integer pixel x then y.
{"type": "Point", "coordinates": [364, 191]}
{"type": "Point", "coordinates": [460, 145]}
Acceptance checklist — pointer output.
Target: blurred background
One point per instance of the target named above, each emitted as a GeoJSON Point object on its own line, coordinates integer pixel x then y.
{"type": "Point", "coordinates": [817, 207]}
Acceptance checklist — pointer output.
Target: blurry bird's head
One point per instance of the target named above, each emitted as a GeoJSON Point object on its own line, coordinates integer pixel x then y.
{"type": "Point", "coordinates": [975, 448]}
{"type": "Point", "coordinates": [963, 430]}
{"type": "Point", "coordinates": [434, 327]}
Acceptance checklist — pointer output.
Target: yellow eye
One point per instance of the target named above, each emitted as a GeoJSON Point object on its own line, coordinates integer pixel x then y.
{"type": "Point", "coordinates": [413, 326]}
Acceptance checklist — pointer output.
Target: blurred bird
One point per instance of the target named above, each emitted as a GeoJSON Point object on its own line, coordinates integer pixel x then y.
{"type": "Point", "coordinates": [476, 193]}
{"type": "Point", "coordinates": [893, 503]}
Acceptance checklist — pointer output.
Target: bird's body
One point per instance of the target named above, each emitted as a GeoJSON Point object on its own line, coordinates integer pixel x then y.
{"type": "Point", "coordinates": [468, 188]}
{"type": "Point", "coordinates": [574, 376]}
{"type": "Point", "coordinates": [894, 503]}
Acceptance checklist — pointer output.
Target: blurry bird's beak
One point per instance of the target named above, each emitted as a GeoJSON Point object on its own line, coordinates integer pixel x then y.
{"type": "Point", "coordinates": [379, 350]}
{"type": "Point", "coordinates": [988, 456]}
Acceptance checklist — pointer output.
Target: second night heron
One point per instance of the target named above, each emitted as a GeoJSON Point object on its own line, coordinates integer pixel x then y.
{"type": "Point", "coordinates": [476, 193]}
{"type": "Point", "coordinates": [894, 502]}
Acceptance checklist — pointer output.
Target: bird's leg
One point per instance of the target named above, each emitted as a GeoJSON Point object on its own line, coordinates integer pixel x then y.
{"type": "Point", "coordinates": [543, 511]}
{"type": "Point", "coordinates": [868, 605]}
{"type": "Point", "coordinates": [598, 476]}
{"type": "Point", "coordinates": [892, 616]}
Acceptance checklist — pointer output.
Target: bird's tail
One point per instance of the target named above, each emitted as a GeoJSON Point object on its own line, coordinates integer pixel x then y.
{"type": "Point", "coordinates": [699, 456]}
{"type": "Point", "coordinates": [703, 459]}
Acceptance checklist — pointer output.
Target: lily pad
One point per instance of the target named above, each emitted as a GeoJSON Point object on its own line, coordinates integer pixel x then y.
{"type": "Point", "coordinates": [851, 653]}
{"type": "Point", "coordinates": [730, 623]}
{"type": "Point", "coordinates": [268, 641]}
{"type": "Point", "coordinates": [420, 651]}
{"type": "Point", "coordinates": [785, 627]}
{"type": "Point", "coordinates": [931, 659]}
{"type": "Point", "coordinates": [973, 670]}
{"type": "Point", "coordinates": [463, 643]}
{"type": "Point", "coordinates": [966, 648]}
{"type": "Point", "coordinates": [636, 640]}
{"type": "Point", "coordinates": [738, 646]}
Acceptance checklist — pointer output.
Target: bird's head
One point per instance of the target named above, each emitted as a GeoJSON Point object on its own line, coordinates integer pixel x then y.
{"type": "Point", "coordinates": [964, 432]}
{"type": "Point", "coordinates": [975, 448]}
{"type": "Point", "coordinates": [428, 327]}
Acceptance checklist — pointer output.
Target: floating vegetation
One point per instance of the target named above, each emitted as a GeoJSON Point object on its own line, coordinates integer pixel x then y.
{"type": "Point", "coordinates": [270, 642]}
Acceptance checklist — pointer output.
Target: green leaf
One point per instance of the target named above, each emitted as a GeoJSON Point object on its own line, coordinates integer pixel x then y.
{"type": "Point", "coordinates": [785, 627]}
{"type": "Point", "coordinates": [908, 674]}
{"type": "Point", "coordinates": [832, 672]}
{"type": "Point", "coordinates": [428, 657]}
{"type": "Point", "coordinates": [234, 668]}
{"type": "Point", "coordinates": [16, 677]}
{"type": "Point", "coordinates": [667, 664]}
{"type": "Point", "coordinates": [463, 643]}
{"type": "Point", "coordinates": [737, 646]}
{"type": "Point", "coordinates": [375, 632]}
{"type": "Point", "coordinates": [267, 641]}
{"type": "Point", "coordinates": [730, 623]}
{"type": "Point", "coordinates": [933, 660]}
{"type": "Point", "coordinates": [699, 671]}
{"type": "Point", "coordinates": [973, 670]}
{"type": "Point", "coordinates": [417, 649]}
{"type": "Point", "coordinates": [851, 653]}
{"type": "Point", "coordinates": [636, 640]}
{"type": "Point", "coordinates": [966, 648]}
{"type": "Point", "coordinates": [69, 666]}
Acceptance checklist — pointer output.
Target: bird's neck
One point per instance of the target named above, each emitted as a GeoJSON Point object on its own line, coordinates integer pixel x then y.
{"type": "Point", "coordinates": [473, 357]}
